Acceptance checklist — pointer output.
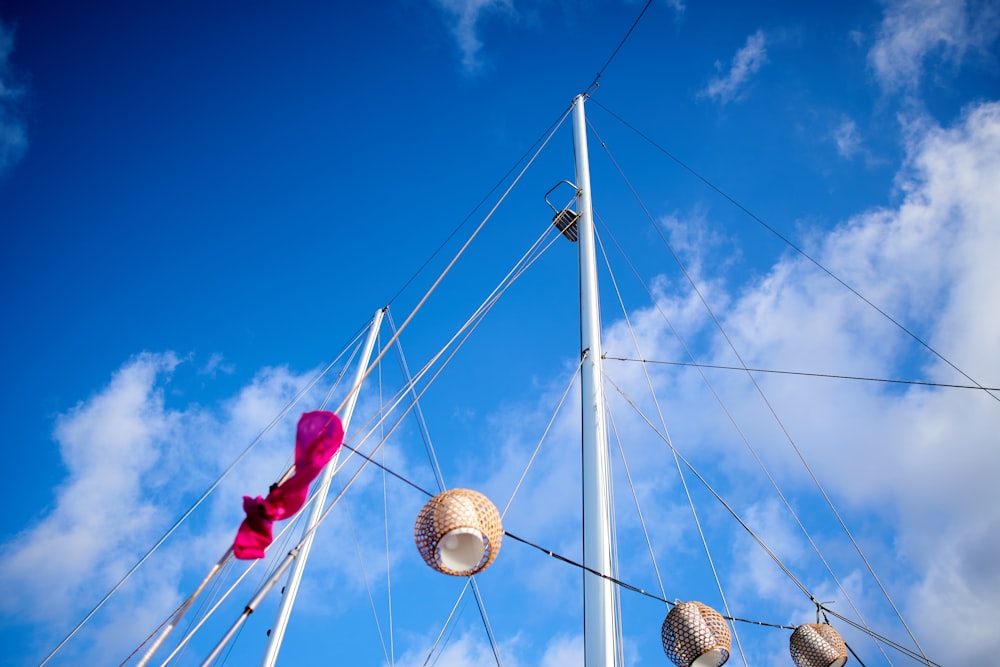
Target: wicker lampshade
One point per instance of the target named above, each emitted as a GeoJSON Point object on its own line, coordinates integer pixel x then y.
{"type": "Point", "coordinates": [458, 532]}
{"type": "Point", "coordinates": [695, 635]}
{"type": "Point", "coordinates": [817, 645]}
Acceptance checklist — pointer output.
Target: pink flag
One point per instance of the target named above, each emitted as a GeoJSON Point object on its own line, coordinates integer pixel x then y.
{"type": "Point", "coordinates": [319, 436]}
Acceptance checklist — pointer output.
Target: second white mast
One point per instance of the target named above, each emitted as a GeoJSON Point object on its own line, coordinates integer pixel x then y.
{"type": "Point", "coordinates": [295, 576]}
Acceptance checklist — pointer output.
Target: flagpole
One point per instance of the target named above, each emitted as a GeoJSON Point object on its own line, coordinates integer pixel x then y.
{"type": "Point", "coordinates": [322, 489]}
{"type": "Point", "coordinates": [601, 635]}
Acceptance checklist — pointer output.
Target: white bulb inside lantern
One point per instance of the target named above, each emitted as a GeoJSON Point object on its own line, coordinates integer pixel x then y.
{"type": "Point", "coordinates": [712, 658]}
{"type": "Point", "coordinates": [461, 549]}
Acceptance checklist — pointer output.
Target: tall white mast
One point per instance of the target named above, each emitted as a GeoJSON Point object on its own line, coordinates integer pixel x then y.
{"type": "Point", "coordinates": [601, 634]}
{"type": "Point", "coordinates": [295, 576]}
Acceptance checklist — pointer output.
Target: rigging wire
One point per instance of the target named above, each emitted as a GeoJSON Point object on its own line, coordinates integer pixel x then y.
{"type": "Point", "coordinates": [636, 589]}
{"type": "Point", "coordinates": [368, 588]}
{"type": "Point", "coordinates": [761, 543]}
{"type": "Point", "coordinates": [627, 586]}
{"type": "Point", "coordinates": [293, 554]}
{"type": "Point", "coordinates": [467, 330]}
{"type": "Point", "coordinates": [630, 587]}
{"type": "Point", "coordinates": [171, 621]}
{"type": "Point", "coordinates": [595, 83]}
{"type": "Point", "coordinates": [832, 376]}
{"type": "Point", "coordinates": [486, 621]}
{"type": "Point", "coordinates": [418, 412]}
{"type": "Point", "coordinates": [189, 634]}
{"type": "Point", "coordinates": [542, 139]}
{"type": "Point", "coordinates": [910, 653]}
{"type": "Point", "coordinates": [447, 622]}
{"type": "Point", "coordinates": [666, 432]}
{"type": "Point", "coordinates": [635, 499]}
{"type": "Point", "coordinates": [750, 448]}
{"type": "Point", "coordinates": [385, 509]}
{"type": "Point", "coordinates": [557, 556]}
{"type": "Point", "coordinates": [527, 259]}
{"type": "Point", "coordinates": [802, 252]}
{"type": "Point", "coordinates": [197, 503]}
{"type": "Point", "coordinates": [548, 427]}
{"type": "Point", "coordinates": [461, 251]}
{"type": "Point", "coordinates": [767, 403]}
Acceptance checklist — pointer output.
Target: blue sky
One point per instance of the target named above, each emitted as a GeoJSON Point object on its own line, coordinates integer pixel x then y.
{"type": "Point", "coordinates": [202, 203]}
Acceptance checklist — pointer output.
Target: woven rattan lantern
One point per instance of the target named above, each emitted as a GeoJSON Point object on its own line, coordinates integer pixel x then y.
{"type": "Point", "coordinates": [458, 532]}
{"type": "Point", "coordinates": [817, 645]}
{"type": "Point", "coordinates": [695, 635]}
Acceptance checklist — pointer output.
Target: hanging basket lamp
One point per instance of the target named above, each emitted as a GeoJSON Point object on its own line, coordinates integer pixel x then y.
{"type": "Point", "coordinates": [695, 635]}
{"type": "Point", "coordinates": [817, 645]}
{"type": "Point", "coordinates": [458, 532]}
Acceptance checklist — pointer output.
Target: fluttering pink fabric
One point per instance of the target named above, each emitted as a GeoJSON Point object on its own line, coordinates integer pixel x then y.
{"type": "Point", "coordinates": [319, 436]}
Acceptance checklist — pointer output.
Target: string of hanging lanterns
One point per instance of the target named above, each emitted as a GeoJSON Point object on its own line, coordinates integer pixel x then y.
{"type": "Point", "coordinates": [459, 532]}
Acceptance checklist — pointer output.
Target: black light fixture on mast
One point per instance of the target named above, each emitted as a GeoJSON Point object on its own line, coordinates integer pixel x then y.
{"type": "Point", "coordinates": [565, 218]}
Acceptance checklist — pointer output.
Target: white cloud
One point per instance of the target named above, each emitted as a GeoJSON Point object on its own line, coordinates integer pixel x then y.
{"type": "Point", "coordinates": [465, 651]}
{"type": "Point", "coordinates": [101, 512]}
{"type": "Point", "coordinates": [748, 60]}
{"type": "Point", "coordinates": [924, 455]}
{"type": "Point", "coordinates": [132, 466]}
{"type": "Point", "coordinates": [847, 138]}
{"type": "Point", "coordinates": [466, 17]}
{"type": "Point", "coordinates": [913, 469]}
{"type": "Point", "coordinates": [13, 131]}
{"type": "Point", "coordinates": [216, 364]}
{"type": "Point", "coordinates": [679, 6]}
{"type": "Point", "coordinates": [912, 31]}
{"type": "Point", "coordinates": [563, 651]}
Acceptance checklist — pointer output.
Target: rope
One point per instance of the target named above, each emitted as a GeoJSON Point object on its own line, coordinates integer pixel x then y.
{"type": "Point", "coordinates": [763, 397]}
{"type": "Point", "coordinates": [718, 497]}
{"type": "Point", "coordinates": [461, 251]}
{"type": "Point", "coordinates": [899, 647]}
{"type": "Point", "coordinates": [388, 565]}
{"type": "Point", "coordinates": [594, 84]}
{"type": "Point", "coordinates": [548, 427]}
{"type": "Point", "coordinates": [467, 329]}
{"type": "Point", "coordinates": [486, 622]}
{"type": "Point", "coordinates": [187, 513]}
{"type": "Point", "coordinates": [421, 422]}
{"type": "Point", "coordinates": [447, 621]}
{"type": "Point", "coordinates": [368, 588]}
{"type": "Point", "coordinates": [628, 586]}
{"type": "Point", "coordinates": [547, 133]}
{"type": "Point", "coordinates": [771, 554]}
{"type": "Point", "coordinates": [225, 596]}
{"type": "Point", "coordinates": [804, 254]}
{"type": "Point", "coordinates": [635, 499]}
{"type": "Point", "coordinates": [854, 654]}
{"type": "Point", "coordinates": [680, 471]}
{"type": "Point", "coordinates": [806, 374]}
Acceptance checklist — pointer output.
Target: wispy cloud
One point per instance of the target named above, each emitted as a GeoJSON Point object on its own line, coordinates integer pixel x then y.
{"type": "Point", "coordinates": [929, 261]}
{"type": "Point", "coordinates": [131, 464]}
{"type": "Point", "coordinates": [847, 138]}
{"type": "Point", "coordinates": [464, 18]}
{"type": "Point", "coordinates": [748, 60]}
{"type": "Point", "coordinates": [13, 130]}
{"type": "Point", "coordinates": [914, 30]}
{"type": "Point", "coordinates": [679, 6]}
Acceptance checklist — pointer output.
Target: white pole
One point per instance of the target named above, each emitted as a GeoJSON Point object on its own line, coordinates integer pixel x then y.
{"type": "Point", "coordinates": [600, 624]}
{"type": "Point", "coordinates": [295, 576]}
